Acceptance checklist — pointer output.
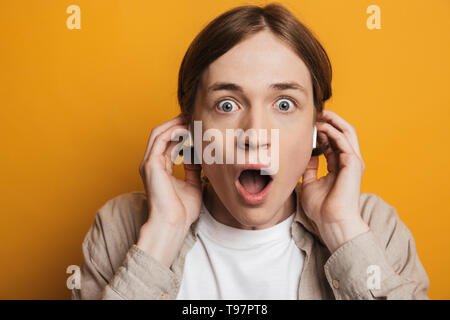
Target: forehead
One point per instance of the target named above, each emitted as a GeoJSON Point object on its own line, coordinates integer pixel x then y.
{"type": "Point", "coordinates": [256, 62]}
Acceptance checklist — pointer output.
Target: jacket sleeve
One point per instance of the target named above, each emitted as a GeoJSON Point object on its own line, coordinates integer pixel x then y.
{"type": "Point", "coordinates": [111, 270]}
{"type": "Point", "coordinates": [381, 263]}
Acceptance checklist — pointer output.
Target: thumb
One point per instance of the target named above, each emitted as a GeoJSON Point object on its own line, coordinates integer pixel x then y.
{"type": "Point", "coordinates": [310, 174]}
{"type": "Point", "coordinates": [192, 174]}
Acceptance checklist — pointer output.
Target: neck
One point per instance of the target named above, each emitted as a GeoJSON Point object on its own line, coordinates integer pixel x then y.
{"type": "Point", "coordinates": [221, 213]}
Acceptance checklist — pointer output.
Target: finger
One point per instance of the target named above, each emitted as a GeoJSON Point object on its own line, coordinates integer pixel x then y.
{"type": "Point", "coordinates": [171, 154]}
{"type": "Point", "coordinates": [330, 155]}
{"type": "Point", "coordinates": [157, 131]}
{"type": "Point", "coordinates": [162, 141]}
{"type": "Point", "coordinates": [160, 129]}
{"type": "Point", "coordinates": [157, 155]}
{"type": "Point", "coordinates": [334, 135]}
{"type": "Point", "coordinates": [175, 147]}
{"type": "Point", "coordinates": [310, 173]}
{"type": "Point", "coordinates": [346, 128]}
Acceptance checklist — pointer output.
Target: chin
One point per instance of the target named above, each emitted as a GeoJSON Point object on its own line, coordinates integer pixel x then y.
{"type": "Point", "coordinates": [253, 217]}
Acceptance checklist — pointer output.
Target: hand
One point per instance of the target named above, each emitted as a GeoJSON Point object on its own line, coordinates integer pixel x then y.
{"type": "Point", "coordinates": [173, 204]}
{"type": "Point", "coordinates": [332, 202]}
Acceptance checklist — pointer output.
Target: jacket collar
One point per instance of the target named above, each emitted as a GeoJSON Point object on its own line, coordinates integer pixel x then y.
{"type": "Point", "coordinates": [302, 218]}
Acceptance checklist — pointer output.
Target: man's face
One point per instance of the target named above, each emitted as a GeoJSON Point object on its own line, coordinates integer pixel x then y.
{"type": "Point", "coordinates": [253, 102]}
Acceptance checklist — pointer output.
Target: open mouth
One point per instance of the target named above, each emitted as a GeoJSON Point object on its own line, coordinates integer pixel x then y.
{"type": "Point", "coordinates": [253, 186]}
{"type": "Point", "coordinates": [253, 181]}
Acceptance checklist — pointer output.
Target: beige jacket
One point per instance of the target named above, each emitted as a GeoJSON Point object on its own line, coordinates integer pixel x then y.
{"type": "Point", "coordinates": [115, 268]}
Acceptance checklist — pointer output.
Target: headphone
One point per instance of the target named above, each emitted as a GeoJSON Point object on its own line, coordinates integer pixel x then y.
{"type": "Point", "coordinates": [314, 137]}
{"type": "Point", "coordinates": [191, 136]}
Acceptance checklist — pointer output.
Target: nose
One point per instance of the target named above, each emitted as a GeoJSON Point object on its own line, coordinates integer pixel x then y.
{"type": "Point", "coordinates": [256, 130]}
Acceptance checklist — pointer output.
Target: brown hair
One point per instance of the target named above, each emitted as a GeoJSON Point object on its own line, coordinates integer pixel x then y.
{"type": "Point", "coordinates": [233, 26]}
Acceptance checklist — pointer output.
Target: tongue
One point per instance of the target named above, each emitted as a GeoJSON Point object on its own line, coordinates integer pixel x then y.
{"type": "Point", "coordinates": [252, 181]}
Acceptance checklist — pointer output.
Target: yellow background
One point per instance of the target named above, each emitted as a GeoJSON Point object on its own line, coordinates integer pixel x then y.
{"type": "Point", "coordinates": [77, 106]}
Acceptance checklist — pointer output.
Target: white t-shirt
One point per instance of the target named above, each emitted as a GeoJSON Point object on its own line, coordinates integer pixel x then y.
{"type": "Point", "coordinates": [232, 263]}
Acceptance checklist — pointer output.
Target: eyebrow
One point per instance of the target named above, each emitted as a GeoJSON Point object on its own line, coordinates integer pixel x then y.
{"type": "Point", "coordinates": [274, 86]}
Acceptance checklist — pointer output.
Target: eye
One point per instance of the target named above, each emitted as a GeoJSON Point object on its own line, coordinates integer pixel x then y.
{"type": "Point", "coordinates": [227, 106]}
{"type": "Point", "coordinates": [286, 104]}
